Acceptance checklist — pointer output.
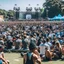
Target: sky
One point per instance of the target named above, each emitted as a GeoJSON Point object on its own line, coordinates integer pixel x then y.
{"type": "Point", "coordinates": [9, 4]}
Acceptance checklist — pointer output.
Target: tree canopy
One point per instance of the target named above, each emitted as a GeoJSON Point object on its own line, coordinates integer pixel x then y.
{"type": "Point", "coordinates": [53, 7]}
{"type": "Point", "coordinates": [9, 13]}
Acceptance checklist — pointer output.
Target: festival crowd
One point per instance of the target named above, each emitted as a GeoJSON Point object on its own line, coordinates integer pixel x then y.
{"type": "Point", "coordinates": [47, 39]}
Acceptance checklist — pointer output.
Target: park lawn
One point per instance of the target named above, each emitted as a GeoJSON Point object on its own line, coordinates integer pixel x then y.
{"type": "Point", "coordinates": [15, 58]}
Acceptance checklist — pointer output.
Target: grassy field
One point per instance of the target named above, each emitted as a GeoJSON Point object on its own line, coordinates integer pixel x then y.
{"type": "Point", "coordinates": [15, 58]}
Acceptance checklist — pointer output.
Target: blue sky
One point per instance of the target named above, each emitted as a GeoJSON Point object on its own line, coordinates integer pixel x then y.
{"type": "Point", "coordinates": [9, 4]}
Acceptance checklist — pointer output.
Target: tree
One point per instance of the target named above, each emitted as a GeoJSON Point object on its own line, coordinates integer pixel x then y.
{"type": "Point", "coordinates": [53, 7]}
{"type": "Point", "coordinates": [7, 14]}
{"type": "Point", "coordinates": [3, 12]}
{"type": "Point", "coordinates": [10, 13]}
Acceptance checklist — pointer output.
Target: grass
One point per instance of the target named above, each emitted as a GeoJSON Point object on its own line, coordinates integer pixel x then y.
{"type": "Point", "coordinates": [15, 58]}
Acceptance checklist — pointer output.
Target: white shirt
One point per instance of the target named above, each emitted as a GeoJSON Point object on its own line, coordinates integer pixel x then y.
{"type": "Point", "coordinates": [47, 45]}
{"type": "Point", "coordinates": [42, 48]}
{"type": "Point", "coordinates": [19, 40]}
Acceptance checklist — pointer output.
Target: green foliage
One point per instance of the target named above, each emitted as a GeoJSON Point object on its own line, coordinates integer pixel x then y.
{"type": "Point", "coordinates": [53, 7]}
{"type": "Point", "coordinates": [15, 58]}
{"type": "Point", "coordinates": [10, 13]}
{"type": "Point", "coordinates": [6, 14]}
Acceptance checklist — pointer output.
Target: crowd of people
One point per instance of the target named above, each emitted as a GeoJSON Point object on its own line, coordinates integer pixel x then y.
{"type": "Point", "coordinates": [46, 38]}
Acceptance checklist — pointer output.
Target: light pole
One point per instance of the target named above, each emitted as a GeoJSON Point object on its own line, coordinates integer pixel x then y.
{"type": "Point", "coordinates": [29, 8]}
{"type": "Point", "coordinates": [37, 12]}
{"type": "Point", "coordinates": [16, 10]}
{"type": "Point", "coordinates": [47, 14]}
{"type": "Point", "coordinates": [47, 11]}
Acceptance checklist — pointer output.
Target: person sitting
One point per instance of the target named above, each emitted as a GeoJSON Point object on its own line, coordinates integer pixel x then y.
{"type": "Point", "coordinates": [2, 59]}
{"type": "Point", "coordinates": [58, 50]}
{"type": "Point", "coordinates": [48, 54]}
{"type": "Point", "coordinates": [32, 57]}
{"type": "Point", "coordinates": [42, 47]}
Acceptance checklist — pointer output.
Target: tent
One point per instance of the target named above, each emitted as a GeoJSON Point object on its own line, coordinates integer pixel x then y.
{"type": "Point", "coordinates": [59, 17]}
{"type": "Point", "coordinates": [54, 18]}
{"type": "Point", "coordinates": [62, 18]}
